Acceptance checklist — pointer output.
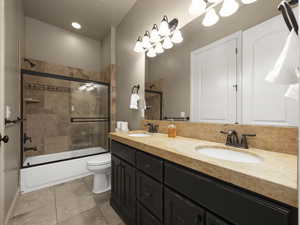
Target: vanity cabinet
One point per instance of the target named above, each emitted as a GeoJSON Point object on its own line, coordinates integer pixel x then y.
{"type": "Point", "coordinates": [180, 211]}
{"type": "Point", "coordinates": [176, 195]}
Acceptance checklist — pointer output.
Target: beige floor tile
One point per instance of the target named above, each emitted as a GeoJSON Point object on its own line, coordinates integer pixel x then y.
{"type": "Point", "coordinates": [72, 189]}
{"type": "Point", "coordinates": [102, 198]}
{"type": "Point", "coordinates": [45, 215]}
{"type": "Point", "coordinates": [34, 200]}
{"type": "Point", "coordinates": [89, 217]}
{"type": "Point", "coordinates": [71, 206]}
{"type": "Point", "coordinates": [110, 215]}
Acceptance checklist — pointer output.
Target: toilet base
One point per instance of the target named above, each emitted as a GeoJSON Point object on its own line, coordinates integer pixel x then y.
{"type": "Point", "coordinates": [101, 183]}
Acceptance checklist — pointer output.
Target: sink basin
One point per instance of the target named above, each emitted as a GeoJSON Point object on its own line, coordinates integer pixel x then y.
{"type": "Point", "coordinates": [139, 135]}
{"type": "Point", "coordinates": [229, 155]}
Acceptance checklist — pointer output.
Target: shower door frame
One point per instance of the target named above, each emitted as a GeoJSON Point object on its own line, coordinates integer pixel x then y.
{"type": "Point", "coordinates": [60, 77]}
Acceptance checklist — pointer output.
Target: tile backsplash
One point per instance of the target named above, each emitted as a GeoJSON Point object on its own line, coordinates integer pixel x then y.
{"type": "Point", "coordinates": [277, 139]}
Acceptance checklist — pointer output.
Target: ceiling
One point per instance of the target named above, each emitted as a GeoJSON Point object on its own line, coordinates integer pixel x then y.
{"type": "Point", "coordinates": [95, 16]}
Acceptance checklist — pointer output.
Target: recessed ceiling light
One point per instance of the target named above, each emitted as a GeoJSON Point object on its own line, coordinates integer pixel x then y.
{"type": "Point", "coordinates": [76, 25]}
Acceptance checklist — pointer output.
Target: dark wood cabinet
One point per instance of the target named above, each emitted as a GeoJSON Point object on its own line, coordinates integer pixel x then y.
{"type": "Point", "coordinates": [123, 190]}
{"type": "Point", "coordinates": [147, 190]}
{"type": "Point", "coordinates": [150, 194]}
{"type": "Point", "coordinates": [180, 211]}
{"type": "Point", "coordinates": [144, 217]}
{"type": "Point", "coordinates": [214, 220]}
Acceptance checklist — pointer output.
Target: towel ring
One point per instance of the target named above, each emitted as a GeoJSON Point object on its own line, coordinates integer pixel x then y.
{"type": "Point", "coordinates": [135, 88]}
{"type": "Point", "coordinates": [288, 14]}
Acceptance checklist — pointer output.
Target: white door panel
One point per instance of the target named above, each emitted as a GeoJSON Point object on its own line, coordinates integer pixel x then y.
{"type": "Point", "coordinates": [214, 74]}
{"type": "Point", "coordinates": [264, 102]}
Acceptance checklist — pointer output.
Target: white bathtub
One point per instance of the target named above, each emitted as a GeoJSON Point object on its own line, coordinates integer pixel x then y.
{"type": "Point", "coordinates": [41, 176]}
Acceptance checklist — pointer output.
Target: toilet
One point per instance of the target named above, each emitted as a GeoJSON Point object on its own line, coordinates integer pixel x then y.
{"type": "Point", "coordinates": [100, 166]}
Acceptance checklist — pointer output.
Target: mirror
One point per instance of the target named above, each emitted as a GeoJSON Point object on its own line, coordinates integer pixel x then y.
{"type": "Point", "coordinates": [217, 74]}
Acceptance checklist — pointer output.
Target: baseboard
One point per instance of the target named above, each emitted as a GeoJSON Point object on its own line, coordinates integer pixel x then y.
{"type": "Point", "coordinates": [12, 207]}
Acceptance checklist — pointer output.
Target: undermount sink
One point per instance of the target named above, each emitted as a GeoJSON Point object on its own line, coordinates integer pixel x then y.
{"type": "Point", "coordinates": [229, 155]}
{"type": "Point", "coordinates": [139, 135]}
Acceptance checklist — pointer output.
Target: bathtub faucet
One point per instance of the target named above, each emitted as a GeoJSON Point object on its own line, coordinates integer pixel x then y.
{"type": "Point", "coordinates": [30, 149]}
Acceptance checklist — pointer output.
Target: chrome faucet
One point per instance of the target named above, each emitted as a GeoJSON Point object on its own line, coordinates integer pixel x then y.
{"type": "Point", "coordinates": [233, 139]}
{"type": "Point", "coordinates": [152, 128]}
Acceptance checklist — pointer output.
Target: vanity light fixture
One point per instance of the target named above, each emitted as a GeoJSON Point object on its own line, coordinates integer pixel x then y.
{"type": "Point", "coordinates": [139, 45]}
{"type": "Point", "coordinates": [248, 1]}
{"type": "Point", "coordinates": [76, 25]}
{"type": "Point", "coordinates": [197, 7]}
{"type": "Point", "coordinates": [160, 38]}
{"type": "Point", "coordinates": [211, 18]}
{"type": "Point", "coordinates": [228, 8]}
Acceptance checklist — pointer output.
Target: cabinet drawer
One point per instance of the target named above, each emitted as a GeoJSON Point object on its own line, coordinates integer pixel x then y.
{"type": "Point", "coordinates": [179, 210]}
{"type": "Point", "coordinates": [150, 165]}
{"type": "Point", "coordinates": [123, 151]}
{"type": "Point", "coordinates": [150, 194]}
{"type": "Point", "coordinates": [213, 220]}
{"type": "Point", "coordinates": [244, 207]}
{"type": "Point", "coordinates": [144, 217]}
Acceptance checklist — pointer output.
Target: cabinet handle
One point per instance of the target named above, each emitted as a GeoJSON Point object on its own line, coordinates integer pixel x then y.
{"type": "Point", "coordinates": [147, 195]}
{"type": "Point", "coordinates": [147, 166]}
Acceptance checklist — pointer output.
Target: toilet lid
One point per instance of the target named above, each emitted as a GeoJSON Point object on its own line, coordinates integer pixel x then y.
{"type": "Point", "coordinates": [100, 160]}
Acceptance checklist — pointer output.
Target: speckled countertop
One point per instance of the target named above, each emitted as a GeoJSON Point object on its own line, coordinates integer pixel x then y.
{"type": "Point", "coordinates": [275, 177]}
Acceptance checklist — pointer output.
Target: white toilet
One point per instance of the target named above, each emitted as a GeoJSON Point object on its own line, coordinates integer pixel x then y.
{"type": "Point", "coordinates": [101, 167]}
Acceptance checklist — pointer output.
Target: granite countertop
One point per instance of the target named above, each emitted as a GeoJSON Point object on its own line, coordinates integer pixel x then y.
{"type": "Point", "coordinates": [275, 177]}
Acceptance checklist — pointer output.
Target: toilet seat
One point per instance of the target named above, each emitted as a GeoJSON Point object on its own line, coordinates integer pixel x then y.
{"type": "Point", "coordinates": [100, 160]}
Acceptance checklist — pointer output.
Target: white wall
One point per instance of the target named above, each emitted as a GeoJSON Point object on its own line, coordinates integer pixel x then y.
{"type": "Point", "coordinates": [55, 45]}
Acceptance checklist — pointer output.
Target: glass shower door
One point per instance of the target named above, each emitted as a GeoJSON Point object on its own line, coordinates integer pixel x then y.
{"type": "Point", "coordinates": [66, 118]}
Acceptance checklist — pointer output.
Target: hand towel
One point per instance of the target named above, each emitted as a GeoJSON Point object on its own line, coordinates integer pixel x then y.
{"type": "Point", "coordinates": [284, 69]}
{"type": "Point", "coordinates": [134, 99]}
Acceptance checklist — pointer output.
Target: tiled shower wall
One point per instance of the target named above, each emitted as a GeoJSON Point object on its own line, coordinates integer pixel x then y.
{"type": "Point", "coordinates": [50, 103]}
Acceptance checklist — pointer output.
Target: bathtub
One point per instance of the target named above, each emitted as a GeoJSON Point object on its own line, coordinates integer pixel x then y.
{"type": "Point", "coordinates": [45, 175]}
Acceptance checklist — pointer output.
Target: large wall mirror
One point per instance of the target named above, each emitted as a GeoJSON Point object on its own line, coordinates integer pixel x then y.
{"type": "Point", "coordinates": [217, 74]}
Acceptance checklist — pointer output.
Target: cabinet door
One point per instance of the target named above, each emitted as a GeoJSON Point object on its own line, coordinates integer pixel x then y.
{"type": "Point", "coordinates": [214, 79]}
{"type": "Point", "coordinates": [116, 181]}
{"type": "Point", "coordinates": [128, 194]}
{"type": "Point", "coordinates": [264, 103]}
{"type": "Point", "coordinates": [180, 211]}
{"type": "Point", "coordinates": [144, 217]}
{"type": "Point", "coordinates": [213, 220]}
{"type": "Point", "coordinates": [123, 189]}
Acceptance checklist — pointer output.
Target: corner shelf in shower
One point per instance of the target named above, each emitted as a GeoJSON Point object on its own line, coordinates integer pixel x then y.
{"type": "Point", "coordinates": [31, 100]}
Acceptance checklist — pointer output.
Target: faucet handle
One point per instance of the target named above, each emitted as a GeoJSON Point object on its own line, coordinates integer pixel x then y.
{"type": "Point", "coordinates": [244, 141]}
{"type": "Point", "coordinates": [249, 135]}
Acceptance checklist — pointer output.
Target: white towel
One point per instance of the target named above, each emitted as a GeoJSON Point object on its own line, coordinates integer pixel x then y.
{"type": "Point", "coordinates": [293, 90]}
{"type": "Point", "coordinates": [134, 100]}
{"type": "Point", "coordinates": [284, 69]}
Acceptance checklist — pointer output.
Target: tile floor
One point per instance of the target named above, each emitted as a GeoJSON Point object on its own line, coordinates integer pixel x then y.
{"type": "Point", "coordinates": [71, 203]}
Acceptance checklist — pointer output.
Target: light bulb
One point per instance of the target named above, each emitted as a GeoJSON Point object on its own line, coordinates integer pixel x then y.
{"type": "Point", "coordinates": [167, 43]}
{"type": "Point", "coordinates": [146, 40]}
{"type": "Point", "coordinates": [177, 37]}
{"type": "Point", "coordinates": [211, 18]}
{"type": "Point", "coordinates": [159, 49]}
{"type": "Point", "coordinates": [151, 53]}
{"type": "Point", "coordinates": [229, 7]}
{"type": "Point", "coordinates": [197, 7]}
{"type": "Point", "coordinates": [164, 29]}
{"type": "Point", "coordinates": [248, 1]}
{"type": "Point", "coordinates": [139, 45]}
{"type": "Point", "coordinates": [154, 37]}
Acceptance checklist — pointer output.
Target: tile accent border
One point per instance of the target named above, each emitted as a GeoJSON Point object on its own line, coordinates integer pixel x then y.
{"type": "Point", "coordinates": [270, 138]}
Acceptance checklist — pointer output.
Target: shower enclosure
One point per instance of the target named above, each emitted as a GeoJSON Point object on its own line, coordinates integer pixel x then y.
{"type": "Point", "coordinates": [64, 118]}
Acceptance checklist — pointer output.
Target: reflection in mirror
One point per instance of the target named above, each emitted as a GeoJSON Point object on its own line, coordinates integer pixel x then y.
{"type": "Point", "coordinates": [218, 73]}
